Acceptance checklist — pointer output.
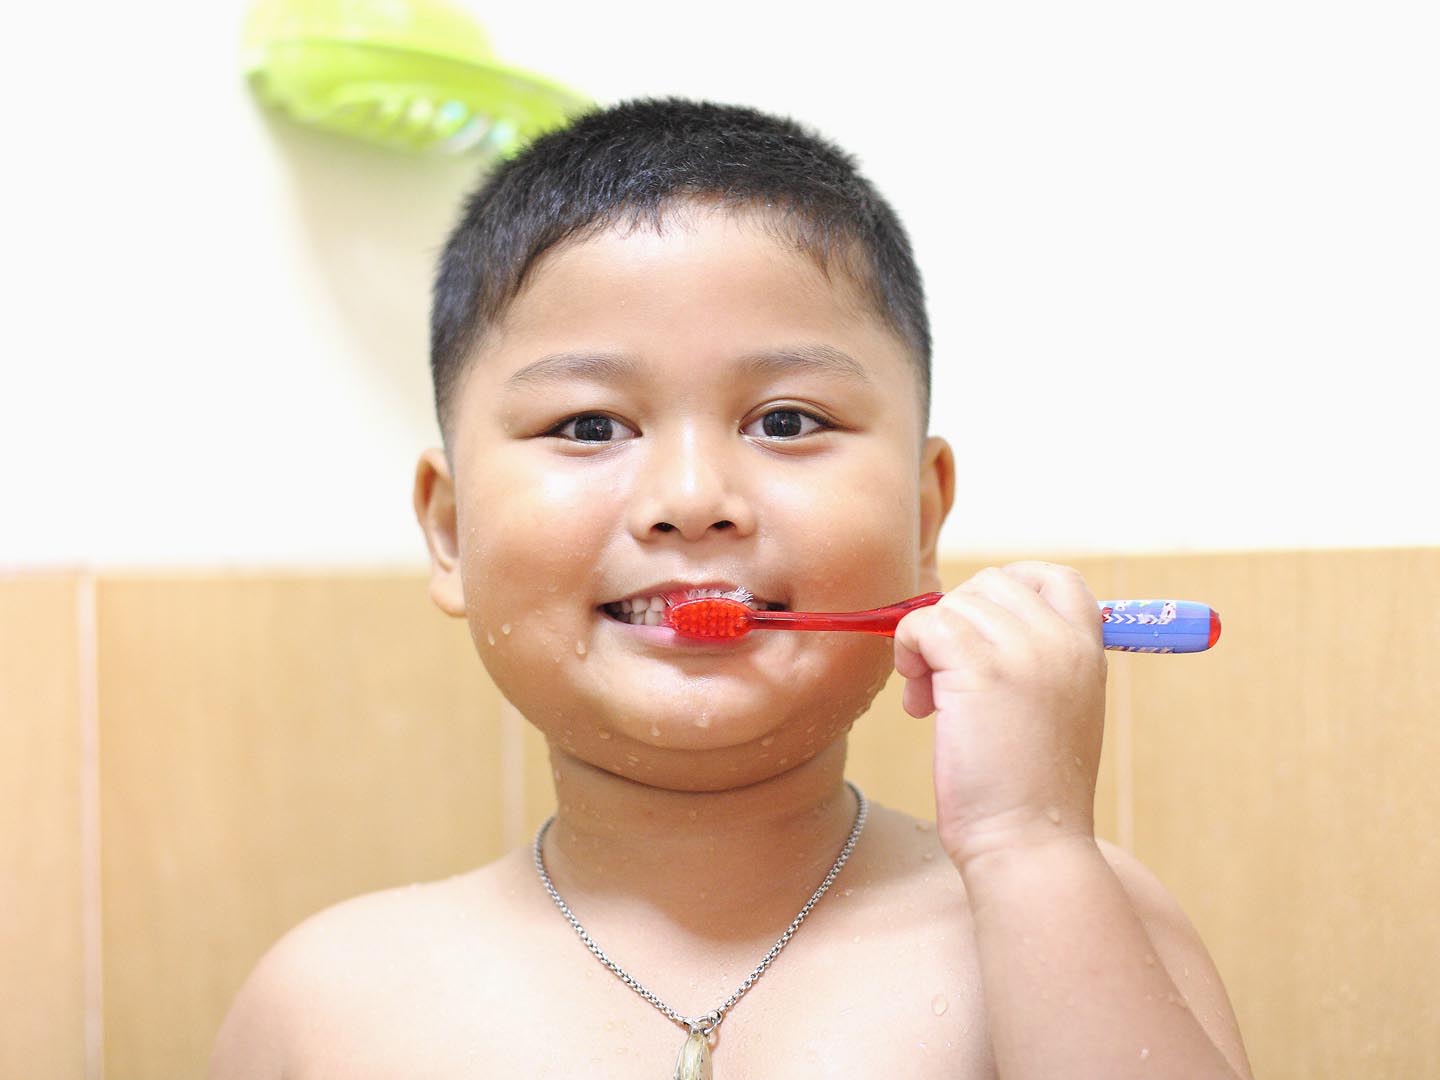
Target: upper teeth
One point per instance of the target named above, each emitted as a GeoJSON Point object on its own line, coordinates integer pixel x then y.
{"type": "Point", "coordinates": [650, 610]}
{"type": "Point", "coordinates": [640, 603]}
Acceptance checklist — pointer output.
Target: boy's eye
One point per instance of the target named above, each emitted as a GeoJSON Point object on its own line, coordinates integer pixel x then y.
{"type": "Point", "coordinates": [786, 424]}
{"type": "Point", "coordinates": [591, 427]}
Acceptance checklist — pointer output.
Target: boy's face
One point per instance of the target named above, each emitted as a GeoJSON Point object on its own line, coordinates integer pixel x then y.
{"type": "Point", "coordinates": [687, 454]}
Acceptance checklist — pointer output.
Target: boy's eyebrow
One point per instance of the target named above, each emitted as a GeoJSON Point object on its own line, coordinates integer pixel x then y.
{"type": "Point", "coordinates": [617, 367]}
{"type": "Point", "coordinates": [578, 366]}
{"type": "Point", "coordinates": [819, 359]}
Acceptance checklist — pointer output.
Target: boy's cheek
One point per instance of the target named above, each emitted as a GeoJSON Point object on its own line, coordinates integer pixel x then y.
{"type": "Point", "coordinates": [854, 543]}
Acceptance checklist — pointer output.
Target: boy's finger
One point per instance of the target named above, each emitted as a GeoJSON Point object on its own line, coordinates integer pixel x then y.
{"type": "Point", "coordinates": [941, 635]}
{"type": "Point", "coordinates": [918, 698]}
{"type": "Point", "coordinates": [908, 662]}
{"type": "Point", "coordinates": [1013, 592]}
{"type": "Point", "coordinates": [1065, 591]}
{"type": "Point", "coordinates": [988, 614]}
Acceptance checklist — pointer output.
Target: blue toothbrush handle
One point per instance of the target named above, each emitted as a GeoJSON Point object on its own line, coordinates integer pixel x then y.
{"type": "Point", "coordinates": [1159, 626]}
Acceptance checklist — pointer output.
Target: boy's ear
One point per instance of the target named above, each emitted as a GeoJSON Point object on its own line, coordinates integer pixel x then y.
{"type": "Point", "coordinates": [435, 510]}
{"type": "Point", "coordinates": [937, 494]}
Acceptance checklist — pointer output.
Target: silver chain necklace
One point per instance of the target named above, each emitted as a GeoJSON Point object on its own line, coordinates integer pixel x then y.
{"type": "Point", "coordinates": [694, 1060]}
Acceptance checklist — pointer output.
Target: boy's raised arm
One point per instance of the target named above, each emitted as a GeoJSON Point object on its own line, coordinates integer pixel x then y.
{"type": "Point", "coordinates": [1089, 969]}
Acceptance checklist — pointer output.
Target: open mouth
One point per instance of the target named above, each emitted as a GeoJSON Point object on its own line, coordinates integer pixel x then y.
{"type": "Point", "coordinates": [650, 610]}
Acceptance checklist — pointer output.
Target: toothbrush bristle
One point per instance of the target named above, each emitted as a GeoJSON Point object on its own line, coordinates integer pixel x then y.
{"type": "Point", "coordinates": [710, 617]}
{"type": "Point", "coordinates": [739, 594]}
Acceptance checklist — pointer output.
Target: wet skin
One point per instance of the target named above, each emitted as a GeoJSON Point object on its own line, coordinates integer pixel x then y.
{"type": "Point", "coordinates": [684, 460]}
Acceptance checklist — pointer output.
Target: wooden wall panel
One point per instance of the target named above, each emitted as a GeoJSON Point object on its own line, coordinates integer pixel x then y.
{"type": "Point", "coordinates": [271, 745]}
{"type": "Point", "coordinates": [42, 984]}
{"type": "Point", "coordinates": [1288, 798]}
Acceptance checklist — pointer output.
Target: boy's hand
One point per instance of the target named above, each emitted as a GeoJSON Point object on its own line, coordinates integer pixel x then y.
{"type": "Point", "coordinates": [1013, 665]}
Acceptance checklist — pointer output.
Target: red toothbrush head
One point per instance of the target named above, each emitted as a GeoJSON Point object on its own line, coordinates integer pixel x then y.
{"type": "Point", "coordinates": [715, 617]}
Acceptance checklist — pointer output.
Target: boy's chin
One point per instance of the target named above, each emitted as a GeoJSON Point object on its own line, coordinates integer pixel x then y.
{"type": "Point", "coordinates": [737, 737]}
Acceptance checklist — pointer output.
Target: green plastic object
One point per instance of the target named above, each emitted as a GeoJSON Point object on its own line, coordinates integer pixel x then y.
{"type": "Point", "coordinates": [412, 75]}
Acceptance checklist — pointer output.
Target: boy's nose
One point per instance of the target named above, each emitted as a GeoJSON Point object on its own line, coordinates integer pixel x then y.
{"type": "Point", "coordinates": [688, 488]}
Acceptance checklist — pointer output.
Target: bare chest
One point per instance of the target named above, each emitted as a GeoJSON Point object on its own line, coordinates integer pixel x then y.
{"type": "Point", "coordinates": [840, 1005]}
{"type": "Point", "coordinates": [881, 981]}
{"type": "Point", "coordinates": [862, 1016]}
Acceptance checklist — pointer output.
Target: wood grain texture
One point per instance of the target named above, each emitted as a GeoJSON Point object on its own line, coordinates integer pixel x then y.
{"type": "Point", "coordinates": [42, 986]}
{"type": "Point", "coordinates": [1285, 791]}
{"type": "Point", "coordinates": [271, 745]}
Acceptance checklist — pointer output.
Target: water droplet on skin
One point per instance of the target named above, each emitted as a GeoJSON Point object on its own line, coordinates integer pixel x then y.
{"type": "Point", "coordinates": [654, 730]}
{"type": "Point", "coordinates": [1149, 960]}
{"type": "Point", "coordinates": [1053, 813]}
{"type": "Point", "coordinates": [579, 648]}
{"type": "Point", "coordinates": [1144, 1052]}
{"type": "Point", "coordinates": [632, 759]}
{"type": "Point", "coordinates": [505, 629]}
{"type": "Point", "coordinates": [694, 814]}
{"type": "Point", "coordinates": [603, 734]}
{"type": "Point", "coordinates": [782, 761]}
{"type": "Point", "coordinates": [490, 637]}
{"type": "Point", "coordinates": [767, 740]}
{"type": "Point", "coordinates": [928, 856]}
{"type": "Point", "coordinates": [847, 892]}
{"type": "Point", "coordinates": [938, 1004]}
{"type": "Point", "coordinates": [856, 939]}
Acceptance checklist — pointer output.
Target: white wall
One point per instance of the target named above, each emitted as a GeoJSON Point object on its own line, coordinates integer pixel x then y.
{"type": "Point", "coordinates": [1183, 263]}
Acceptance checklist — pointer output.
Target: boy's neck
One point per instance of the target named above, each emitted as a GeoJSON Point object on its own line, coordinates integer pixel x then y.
{"type": "Point", "coordinates": [720, 866]}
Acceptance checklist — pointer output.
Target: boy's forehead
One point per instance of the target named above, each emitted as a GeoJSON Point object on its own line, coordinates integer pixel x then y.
{"type": "Point", "coordinates": [714, 256]}
{"type": "Point", "coordinates": [721, 278]}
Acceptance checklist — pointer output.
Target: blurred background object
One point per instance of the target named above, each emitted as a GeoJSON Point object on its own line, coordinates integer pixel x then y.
{"type": "Point", "coordinates": [408, 74]}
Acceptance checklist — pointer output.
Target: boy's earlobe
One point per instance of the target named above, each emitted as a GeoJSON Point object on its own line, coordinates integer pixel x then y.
{"type": "Point", "coordinates": [937, 495]}
{"type": "Point", "coordinates": [434, 499]}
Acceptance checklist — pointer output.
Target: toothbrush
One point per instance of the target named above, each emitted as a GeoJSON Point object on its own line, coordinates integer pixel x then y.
{"type": "Point", "coordinates": [1153, 626]}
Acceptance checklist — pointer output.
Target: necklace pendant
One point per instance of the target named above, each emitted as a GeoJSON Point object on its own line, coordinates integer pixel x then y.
{"type": "Point", "coordinates": [694, 1060]}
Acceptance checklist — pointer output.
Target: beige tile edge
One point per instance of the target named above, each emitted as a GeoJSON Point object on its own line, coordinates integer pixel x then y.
{"type": "Point", "coordinates": [91, 949]}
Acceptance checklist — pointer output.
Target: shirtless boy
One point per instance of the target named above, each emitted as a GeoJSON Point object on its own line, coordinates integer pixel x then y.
{"type": "Point", "coordinates": [679, 345]}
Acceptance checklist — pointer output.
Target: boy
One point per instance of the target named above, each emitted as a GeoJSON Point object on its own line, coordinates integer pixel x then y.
{"type": "Point", "coordinates": [678, 346]}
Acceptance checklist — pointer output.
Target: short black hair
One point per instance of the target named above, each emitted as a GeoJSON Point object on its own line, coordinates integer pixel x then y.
{"type": "Point", "coordinates": [635, 160]}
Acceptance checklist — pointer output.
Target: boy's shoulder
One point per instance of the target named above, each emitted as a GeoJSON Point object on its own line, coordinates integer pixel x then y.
{"type": "Point", "coordinates": [356, 966]}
